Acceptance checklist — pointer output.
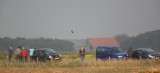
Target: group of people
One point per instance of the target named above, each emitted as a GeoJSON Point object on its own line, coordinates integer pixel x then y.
{"type": "Point", "coordinates": [21, 54]}
{"type": "Point", "coordinates": [24, 54]}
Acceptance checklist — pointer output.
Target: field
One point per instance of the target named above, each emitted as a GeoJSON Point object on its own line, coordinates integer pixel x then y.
{"type": "Point", "coordinates": [71, 64]}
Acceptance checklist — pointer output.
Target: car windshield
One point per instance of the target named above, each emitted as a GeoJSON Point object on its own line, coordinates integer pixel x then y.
{"type": "Point", "coordinates": [117, 50]}
{"type": "Point", "coordinates": [50, 51]}
{"type": "Point", "coordinates": [103, 50]}
{"type": "Point", "coordinates": [148, 51]}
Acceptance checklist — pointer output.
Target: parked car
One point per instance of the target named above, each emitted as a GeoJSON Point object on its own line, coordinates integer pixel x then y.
{"type": "Point", "coordinates": [107, 52]}
{"type": "Point", "coordinates": [46, 54]}
{"type": "Point", "coordinates": [145, 53]}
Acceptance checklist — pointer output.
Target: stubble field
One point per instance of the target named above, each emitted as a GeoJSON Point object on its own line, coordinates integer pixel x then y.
{"type": "Point", "coordinates": [87, 66]}
{"type": "Point", "coordinates": [72, 64]}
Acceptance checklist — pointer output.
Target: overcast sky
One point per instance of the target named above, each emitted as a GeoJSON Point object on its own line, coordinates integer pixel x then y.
{"type": "Point", "coordinates": [87, 18]}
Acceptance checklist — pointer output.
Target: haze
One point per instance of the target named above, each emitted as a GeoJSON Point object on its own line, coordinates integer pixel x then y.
{"type": "Point", "coordinates": [87, 18]}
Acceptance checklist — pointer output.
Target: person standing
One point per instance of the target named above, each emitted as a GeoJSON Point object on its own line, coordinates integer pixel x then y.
{"type": "Point", "coordinates": [24, 54]}
{"type": "Point", "coordinates": [82, 53]}
{"type": "Point", "coordinates": [130, 52]}
{"type": "Point", "coordinates": [31, 54]}
{"type": "Point", "coordinates": [10, 53]}
{"type": "Point", "coordinates": [18, 53]}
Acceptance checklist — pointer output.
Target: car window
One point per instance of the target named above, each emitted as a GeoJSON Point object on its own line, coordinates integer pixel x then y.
{"type": "Point", "coordinates": [147, 51]}
{"type": "Point", "coordinates": [39, 53]}
{"type": "Point", "coordinates": [103, 50]}
{"type": "Point", "coordinates": [117, 50]}
{"type": "Point", "coordinates": [140, 52]}
{"type": "Point", "coordinates": [50, 51]}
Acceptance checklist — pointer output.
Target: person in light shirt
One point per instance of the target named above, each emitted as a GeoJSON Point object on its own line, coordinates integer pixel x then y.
{"type": "Point", "coordinates": [31, 54]}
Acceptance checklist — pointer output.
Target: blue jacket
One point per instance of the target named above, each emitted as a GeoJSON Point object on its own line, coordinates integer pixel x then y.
{"type": "Point", "coordinates": [10, 52]}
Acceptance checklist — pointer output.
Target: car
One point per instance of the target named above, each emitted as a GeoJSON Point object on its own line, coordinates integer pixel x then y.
{"type": "Point", "coordinates": [46, 54]}
{"type": "Point", "coordinates": [145, 53]}
{"type": "Point", "coordinates": [109, 52]}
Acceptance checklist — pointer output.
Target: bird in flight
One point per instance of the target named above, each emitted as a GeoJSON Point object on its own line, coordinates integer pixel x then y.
{"type": "Point", "coordinates": [72, 31]}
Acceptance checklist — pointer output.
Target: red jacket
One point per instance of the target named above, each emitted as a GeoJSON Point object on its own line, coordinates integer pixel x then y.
{"type": "Point", "coordinates": [24, 53]}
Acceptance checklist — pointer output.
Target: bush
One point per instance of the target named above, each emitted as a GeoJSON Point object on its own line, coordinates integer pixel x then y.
{"type": "Point", "coordinates": [3, 56]}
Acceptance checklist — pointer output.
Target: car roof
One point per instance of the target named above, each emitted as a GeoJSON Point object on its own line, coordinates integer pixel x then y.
{"type": "Point", "coordinates": [142, 48]}
{"type": "Point", "coordinates": [106, 46]}
{"type": "Point", "coordinates": [43, 49]}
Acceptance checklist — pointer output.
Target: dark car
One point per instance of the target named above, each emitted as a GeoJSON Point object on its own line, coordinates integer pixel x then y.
{"type": "Point", "coordinates": [145, 53]}
{"type": "Point", "coordinates": [107, 52]}
{"type": "Point", "coordinates": [46, 54]}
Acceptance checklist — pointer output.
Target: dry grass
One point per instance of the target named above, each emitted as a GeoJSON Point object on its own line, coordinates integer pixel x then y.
{"type": "Point", "coordinates": [86, 66]}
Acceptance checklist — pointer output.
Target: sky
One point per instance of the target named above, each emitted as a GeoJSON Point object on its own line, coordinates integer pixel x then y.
{"type": "Point", "coordinates": [87, 18]}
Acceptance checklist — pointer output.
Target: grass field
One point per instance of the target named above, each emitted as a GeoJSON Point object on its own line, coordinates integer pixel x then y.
{"type": "Point", "coordinates": [89, 65]}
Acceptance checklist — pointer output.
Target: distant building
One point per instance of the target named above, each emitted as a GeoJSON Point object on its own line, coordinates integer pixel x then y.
{"type": "Point", "coordinates": [80, 42]}
{"type": "Point", "coordinates": [94, 42]}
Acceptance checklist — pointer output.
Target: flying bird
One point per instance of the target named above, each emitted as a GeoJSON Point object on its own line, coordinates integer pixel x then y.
{"type": "Point", "coordinates": [72, 31]}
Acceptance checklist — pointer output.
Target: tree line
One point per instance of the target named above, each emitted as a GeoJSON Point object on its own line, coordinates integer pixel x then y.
{"type": "Point", "coordinates": [149, 40]}
{"type": "Point", "coordinates": [57, 44]}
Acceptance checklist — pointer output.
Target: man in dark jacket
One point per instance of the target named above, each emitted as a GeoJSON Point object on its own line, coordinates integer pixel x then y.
{"type": "Point", "coordinates": [130, 52]}
{"type": "Point", "coordinates": [10, 53]}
